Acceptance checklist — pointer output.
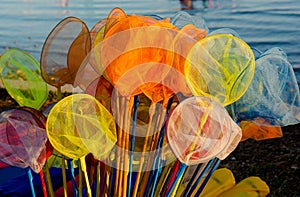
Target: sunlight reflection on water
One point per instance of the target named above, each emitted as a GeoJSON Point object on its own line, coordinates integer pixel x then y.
{"type": "Point", "coordinates": [25, 24]}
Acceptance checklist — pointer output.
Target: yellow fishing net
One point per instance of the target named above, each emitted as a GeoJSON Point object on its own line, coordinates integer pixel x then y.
{"type": "Point", "coordinates": [220, 66]}
{"type": "Point", "coordinates": [78, 125]}
{"type": "Point", "coordinates": [223, 184]}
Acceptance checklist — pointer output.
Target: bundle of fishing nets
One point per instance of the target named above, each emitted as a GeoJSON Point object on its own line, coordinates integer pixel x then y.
{"type": "Point", "coordinates": [157, 103]}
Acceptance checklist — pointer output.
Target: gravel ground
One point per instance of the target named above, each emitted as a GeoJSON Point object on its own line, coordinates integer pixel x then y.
{"type": "Point", "coordinates": [276, 161]}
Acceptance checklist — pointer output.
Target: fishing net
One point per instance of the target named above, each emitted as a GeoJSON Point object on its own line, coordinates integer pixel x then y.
{"type": "Point", "coordinates": [64, 51]}
{"type": "Point", "coordinates": [21, 76]}
{"type": "Point", "coordinates": [220, 66]}
{"type": "Point", "coordinates": [23, 139]}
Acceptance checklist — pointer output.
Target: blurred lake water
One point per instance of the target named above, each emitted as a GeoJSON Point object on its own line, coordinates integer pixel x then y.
{"type": "Point", "coordinates": [25, 24]}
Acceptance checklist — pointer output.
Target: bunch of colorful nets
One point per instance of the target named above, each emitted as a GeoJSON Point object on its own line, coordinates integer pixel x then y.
{"type": "Point", "coordinates": [157, 104]}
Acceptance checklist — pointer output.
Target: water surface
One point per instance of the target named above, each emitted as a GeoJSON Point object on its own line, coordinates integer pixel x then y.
{"type": "Point", "coordinates": [25, 24]}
